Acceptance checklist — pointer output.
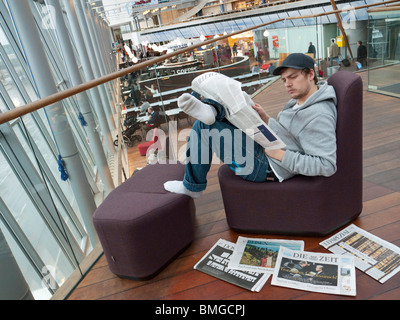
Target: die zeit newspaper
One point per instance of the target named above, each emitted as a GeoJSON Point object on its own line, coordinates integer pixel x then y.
{"type": "Point", "coordinates": [316, 272]}
{"type": "Point", "coordinates": [215, 263]}
{"type": "Point", "coordinates": [376, 257]}
{"type": "Point", "coordinates": [238, 106]}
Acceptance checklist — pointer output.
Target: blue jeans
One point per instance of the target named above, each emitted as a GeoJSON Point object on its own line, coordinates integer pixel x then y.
{"type": "Point", "coordinates": [234, 148]}
{"type": "Point", "coordinates": [337, 60]}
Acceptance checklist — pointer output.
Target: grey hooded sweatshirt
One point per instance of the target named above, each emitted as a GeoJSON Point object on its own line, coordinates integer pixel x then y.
{"type": "Point", "coordinates": [309, 133]}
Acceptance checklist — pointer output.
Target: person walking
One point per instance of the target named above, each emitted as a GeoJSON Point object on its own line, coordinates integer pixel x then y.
{"type": "Point", "coordinates": [334, 52]}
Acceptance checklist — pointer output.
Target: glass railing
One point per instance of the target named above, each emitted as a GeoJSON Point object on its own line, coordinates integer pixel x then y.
{"type": "Point", "coordinates": [383, 56]}
{"type": "Point", "coordinates": [59, 163]}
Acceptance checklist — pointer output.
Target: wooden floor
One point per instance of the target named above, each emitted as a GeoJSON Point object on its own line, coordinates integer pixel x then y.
{"type": "Point", "coordinates": [380, 216]}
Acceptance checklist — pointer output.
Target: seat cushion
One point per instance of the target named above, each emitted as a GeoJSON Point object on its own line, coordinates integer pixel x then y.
{"type": "Point", "coordinates": [151, 179]}
{"type": "Point", "coordinates": [143, 147]}
{"type": "Point", "coordinates": [298, 206]}
{"type": "Point", "coordinates": [141, 226]}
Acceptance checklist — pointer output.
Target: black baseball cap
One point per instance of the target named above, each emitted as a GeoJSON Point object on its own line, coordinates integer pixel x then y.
{"type": "Point", "coordinates": [295, 61]}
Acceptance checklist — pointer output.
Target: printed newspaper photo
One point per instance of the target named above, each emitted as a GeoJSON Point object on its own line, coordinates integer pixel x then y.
{"type": "Point", "coordinates": [316, 272]}
{"type": "Point", "coordinates": [238, 106]}
{"type": "Point", "coordinates": [376, 257]}
{"type": "Point", "coordinates": [215, 263]}
{"type": "Point", "coordinates": [260, 255]}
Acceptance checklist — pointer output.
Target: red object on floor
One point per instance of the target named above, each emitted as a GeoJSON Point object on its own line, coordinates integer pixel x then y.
{"type": "Point", "coordinates": [143, 147]}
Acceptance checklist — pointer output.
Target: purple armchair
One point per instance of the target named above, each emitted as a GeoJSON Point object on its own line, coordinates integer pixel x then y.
{"type": "Point", "coordinates": [306, 205]}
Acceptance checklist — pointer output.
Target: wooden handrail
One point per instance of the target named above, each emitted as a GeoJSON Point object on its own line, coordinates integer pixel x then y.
{"type": "Point", "coordinates": [384, 9]}
{"type": "Point", "coordinates": [59, 96]}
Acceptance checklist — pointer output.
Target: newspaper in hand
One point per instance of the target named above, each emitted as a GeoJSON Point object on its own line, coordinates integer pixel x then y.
{"type": "Point", "coordinates": [260, 255]}
{"type": "Point", "coordinates": [316, 272]}
{"type": "Point", "coordinates": [376, 257]}
{"type": "Point", "coordinates": [238, 107]}
{"type": "Point", "coordinates": [215, 263]}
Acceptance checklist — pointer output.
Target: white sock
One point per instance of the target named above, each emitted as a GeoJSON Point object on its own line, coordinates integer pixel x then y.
{"type": "Point", "coordinates": [178, 187]}
{"type": "Point", "coordinates": [197, 109]}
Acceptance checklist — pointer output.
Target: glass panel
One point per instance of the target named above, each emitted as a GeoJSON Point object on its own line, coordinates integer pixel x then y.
{"type": "Point", "coordinates": [220, 27]}
{"type": "Point", "coordinates": [384, 52]}
{"type": "Point", "coordinates": [307, 21]}
{"type": "Point", "coordinates": [33, 279]}
{"type": "Point", "coordinates": [231, 26]}
{"type": "Point", "coordinates": [186, 33]}
{"type": "Point", "coordinates": [36, 134]}
{"type": "Point", "coordinates": [178, 33]}
{"type": "Point", "coordinates": [266, 18]}
{"type": "Point", "coordinates": [52, 163]}
{"type": "Point", "coordinates": [3, 107]}
{"type": "Point", "coordinates": [34, 227]}
{"type": "Point", "coordinates": [240, 24]}
{"type": "Point", "coordinates": [249, 22]}
{"type": "Point", "coordinates": [9, 85]}
{"type": "Point", "coordinates": [322, 19]}
{"type": "Point", "coordinates": [212, 29]}
{"type": "Point", "coordinates": [209, 31]}
{"type": "Point", "coordinates": [296, 22]}
{"type": "Point", "coordinates": [47, 214]}
{"type": "Point", "coordinates": [331, 18]}
{"type": "Point", "coordinates": [361, 14]}
{"type": "Point", "coordinates": [18, 68]}
{"type": "Point", "coordinates": [256, 21]}
{"type": "Point", "coordinates": [164, 36]}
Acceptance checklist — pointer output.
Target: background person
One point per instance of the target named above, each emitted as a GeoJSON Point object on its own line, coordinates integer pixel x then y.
{"type": "Point", "coordinates": [334, 52]}
{"type": "Point", "coordinates": [362, 54]}
{"type": "Point", "coordinates": [311, 49]}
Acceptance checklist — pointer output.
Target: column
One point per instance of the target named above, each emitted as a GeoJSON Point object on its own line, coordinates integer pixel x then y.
{"type": "Point", "coordinates": [83, 100]}
{"type": "Point", "coordinates": [97, 45]}
{"type": "Point", "coordinates": [95, 93]}
{"type": "Point", "coordinates": [94, 62]}
{"type": "Point", "coordinates": [104, 55]}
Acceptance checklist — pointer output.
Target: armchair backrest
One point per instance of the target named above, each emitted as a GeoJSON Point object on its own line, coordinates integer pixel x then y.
{"type": "Point", "coordinates": [349, 87]}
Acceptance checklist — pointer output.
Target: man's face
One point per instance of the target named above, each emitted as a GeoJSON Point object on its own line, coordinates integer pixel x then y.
{"type": "Point", "coordinates": [298, 84]}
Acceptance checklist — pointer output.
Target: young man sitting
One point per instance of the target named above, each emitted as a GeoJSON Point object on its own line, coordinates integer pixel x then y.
{"type": "Point", "coordinates": [307, 125]}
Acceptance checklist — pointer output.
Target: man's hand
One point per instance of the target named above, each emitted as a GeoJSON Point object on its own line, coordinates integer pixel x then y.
{"type": "Point", "coordinates": [275, 154]}
{"type": "Point", "coordinates": [263, 115]}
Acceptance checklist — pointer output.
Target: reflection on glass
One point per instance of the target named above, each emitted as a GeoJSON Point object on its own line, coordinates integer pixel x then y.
{"type": "Point", "coordinates": [35, 229]}
{"type": "Point", "coordinates": [384, 52]}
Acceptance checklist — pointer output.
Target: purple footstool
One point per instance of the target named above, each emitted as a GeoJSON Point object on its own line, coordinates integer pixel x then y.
{"type": "Point", "coordinates": [142, 227]}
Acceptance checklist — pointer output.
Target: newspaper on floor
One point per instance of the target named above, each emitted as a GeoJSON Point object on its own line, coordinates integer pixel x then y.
{"type": "Point", "coordinates": [376, 257]}
{"type": "Point", "coordinates": [215, 263]}
{"type": "Point", "coordinates": [316, 272]}
{"type": "Point", "coordinates": [238, 106]}
{"type": "Point", "coordinates": [260, 255]}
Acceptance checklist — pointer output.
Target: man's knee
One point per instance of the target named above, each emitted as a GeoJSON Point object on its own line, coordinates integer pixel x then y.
{"type": "Point", "coordinates": [198, 126]}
